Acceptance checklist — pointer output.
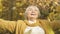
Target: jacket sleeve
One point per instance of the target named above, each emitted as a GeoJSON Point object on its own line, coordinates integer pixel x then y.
{"type": "Point", "coordinates": [7, 25]}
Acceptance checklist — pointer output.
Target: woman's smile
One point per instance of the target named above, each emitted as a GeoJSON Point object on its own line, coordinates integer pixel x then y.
{"type": "Point", "coordinates": [32, 14]}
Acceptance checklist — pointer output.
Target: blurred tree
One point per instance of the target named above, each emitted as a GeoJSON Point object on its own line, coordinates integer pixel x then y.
{"type": "Point", "coordinates": [55, 15]}
{"type": "Point", "coordinates": [14, 9]}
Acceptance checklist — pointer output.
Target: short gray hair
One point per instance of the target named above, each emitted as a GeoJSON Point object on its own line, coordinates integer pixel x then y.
{"type": "Point", "coordinates": [30, 7]}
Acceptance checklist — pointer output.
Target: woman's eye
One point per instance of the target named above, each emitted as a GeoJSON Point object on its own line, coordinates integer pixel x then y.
{"type": "Point", "coordinates": [36, 10]}
{"type": "Point", "coordinates": [29, 10]}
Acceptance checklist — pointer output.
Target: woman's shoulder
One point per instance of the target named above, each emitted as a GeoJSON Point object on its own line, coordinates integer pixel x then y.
{"type": "Point", "coordinates": [20, 21]}
{"type": "Point", "coordinates": [43, 20]}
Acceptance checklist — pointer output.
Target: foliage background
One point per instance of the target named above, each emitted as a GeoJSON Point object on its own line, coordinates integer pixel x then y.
{"type": "Point", "coordinates": [14, 9]}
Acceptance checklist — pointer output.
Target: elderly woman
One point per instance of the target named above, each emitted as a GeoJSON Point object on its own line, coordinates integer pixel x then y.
{"type": "Point", "coordinates": [31, 24]}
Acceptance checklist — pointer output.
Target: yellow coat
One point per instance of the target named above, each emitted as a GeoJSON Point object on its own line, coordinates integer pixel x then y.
{"type": "Point", "coordinates": [18, 27]}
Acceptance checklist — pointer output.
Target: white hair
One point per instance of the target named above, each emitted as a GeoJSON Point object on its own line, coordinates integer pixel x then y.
{"type": "Point", "coordinates": [31, 7]}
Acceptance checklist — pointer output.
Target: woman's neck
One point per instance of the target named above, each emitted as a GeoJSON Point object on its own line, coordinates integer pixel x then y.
{"type": "Point", "coordinates": [32, 21]}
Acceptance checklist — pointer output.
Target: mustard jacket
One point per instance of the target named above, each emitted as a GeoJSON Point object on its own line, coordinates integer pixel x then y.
{"type": "Point", "coordinates": [18, 27]}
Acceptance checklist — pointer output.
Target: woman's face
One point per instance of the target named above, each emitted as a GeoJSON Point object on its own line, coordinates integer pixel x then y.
{"type": "Point", "coordinates": [32, 13]}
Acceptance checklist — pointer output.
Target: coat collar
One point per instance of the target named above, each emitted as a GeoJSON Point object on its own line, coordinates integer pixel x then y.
{"type": "Point", "coordinates": [32, 25]}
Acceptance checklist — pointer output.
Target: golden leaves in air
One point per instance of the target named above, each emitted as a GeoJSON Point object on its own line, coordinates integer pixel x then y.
{"type": "Point", "coordinates": [20, 3]}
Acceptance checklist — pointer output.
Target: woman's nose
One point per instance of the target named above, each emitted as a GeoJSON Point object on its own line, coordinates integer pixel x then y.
{"type": "Point", "coordinates": [33, 11]}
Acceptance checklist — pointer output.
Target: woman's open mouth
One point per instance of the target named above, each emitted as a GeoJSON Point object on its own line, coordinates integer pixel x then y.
{"type": "Point", "coordinates": [33, 14]}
